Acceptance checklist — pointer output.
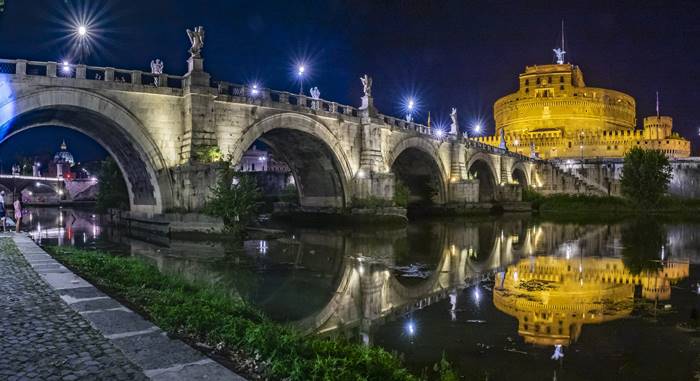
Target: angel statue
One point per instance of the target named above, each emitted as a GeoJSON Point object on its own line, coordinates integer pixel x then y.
{"type": "Point", "coordinates": [157, 69]}
{"type": "Point", "coordinates": [315, 96]}
{"type": "Point", "coordinates": [453, 126]}
{"type": "Point", "coordinates": [367, 85]}
{"type": "Point", "coordinates": [560, 55]}
{"type": "Point", "coordinates": [197, 41]}
{"type": "Point", "coordinates": [315, 93]}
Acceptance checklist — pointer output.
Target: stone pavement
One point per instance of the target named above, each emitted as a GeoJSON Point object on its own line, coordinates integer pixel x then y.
{"type": "Point", "coordinates": [63, 328]}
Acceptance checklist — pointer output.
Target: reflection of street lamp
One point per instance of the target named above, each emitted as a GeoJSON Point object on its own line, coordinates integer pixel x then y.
{"type": "Point", "coordinates": [581, 135]}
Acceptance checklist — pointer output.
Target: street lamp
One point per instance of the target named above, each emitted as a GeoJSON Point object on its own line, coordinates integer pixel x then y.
{"type": "Point", "coordinates": [82, 32]}
{"type": "Point", "coordinates": [300, 73]}
{"type": "Point", "coordinates": [410, 105]}
{"type": "Point", "coordinates": [477, 129]}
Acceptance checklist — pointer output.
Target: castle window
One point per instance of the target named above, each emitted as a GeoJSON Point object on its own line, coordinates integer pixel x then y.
{"type": "Point", "coordinates": [561, 87]}
{"type": "Point", "coordinates": [605, 133]}
{"type": "Point", "coordinates": [569, 144]}
{"type": "Point", "coordinates": [527, 90]}
{"type": "Point", "coordinates": [538, 81]}
{"type": "Point", "coordinates": [527, 82]}
{"type": "Point", "coordinates": [561, 79]}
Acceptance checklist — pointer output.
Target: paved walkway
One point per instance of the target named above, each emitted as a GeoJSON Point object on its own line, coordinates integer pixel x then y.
{"type": "Point", "coordinates": [56, 326]}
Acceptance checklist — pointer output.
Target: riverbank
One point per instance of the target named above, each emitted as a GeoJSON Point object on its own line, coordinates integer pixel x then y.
{"type": "Point", "coordinates": [230, 327]}
{"type": "Point", "coordinates": [607, 205]}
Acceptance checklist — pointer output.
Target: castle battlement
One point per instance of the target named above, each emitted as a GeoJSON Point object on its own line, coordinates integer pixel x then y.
{"type": "Point", "coordinates": [554, 111]}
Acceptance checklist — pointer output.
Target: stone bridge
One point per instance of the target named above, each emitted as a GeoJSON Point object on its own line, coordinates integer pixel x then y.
{"type": "Point", "coordinates": [57, 188]}
{"type": "Point", "coordinates": [165, 137]}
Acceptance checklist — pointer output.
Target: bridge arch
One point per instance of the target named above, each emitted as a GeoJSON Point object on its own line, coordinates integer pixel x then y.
{"type": "Point", "coordinates": [481, 166]}
{"type": "Point", "coordinates": [416, 162]}
{"type": "Point", "coordinates": [314, 154]}
{"type": "Point", "coordinates": [521, 175]}
{"type": "Point", "coordinates": [106, 122]}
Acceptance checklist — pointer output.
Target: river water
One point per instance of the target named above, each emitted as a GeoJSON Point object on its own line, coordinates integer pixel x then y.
{"type": "Point", "coordinates": [503, 298]}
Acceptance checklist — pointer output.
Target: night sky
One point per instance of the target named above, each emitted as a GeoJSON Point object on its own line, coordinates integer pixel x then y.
{"type": "Point", "coordinates": [445, 53]}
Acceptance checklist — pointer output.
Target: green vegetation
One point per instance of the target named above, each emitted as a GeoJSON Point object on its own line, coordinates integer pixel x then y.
{"type": "Point", "coordinates": [208, 155]}
{"type": "Point", "coordinates": [203, 313]}
{"type": "Point", "coordinates": [290, 194]}
{"type": "Point", "coordinates": [234, 198]}
{"type": "Point", "coordinates": [372, 203]}
{"type": "Point", "coordinates": [112, 188]}
{"type": "Point", "coordinates": [645, 176]}
{"type": "Point", "coordinates": [401, 193]}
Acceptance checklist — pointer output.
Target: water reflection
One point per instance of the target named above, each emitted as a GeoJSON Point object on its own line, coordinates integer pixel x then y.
{"type": "Point", "coordinates": [552, 298]}
{"type": "Point", "coordinates": [461, 286]}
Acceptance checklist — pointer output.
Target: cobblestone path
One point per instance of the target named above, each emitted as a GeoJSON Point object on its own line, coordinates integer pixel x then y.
{"type": "Point", "coordinates": [41, 338]}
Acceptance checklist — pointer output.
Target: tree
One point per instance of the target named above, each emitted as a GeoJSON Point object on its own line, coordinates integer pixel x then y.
{"type": "Point", "coordinates": [234, 198]}
{"type": "Point", "coordinates": [645, 176]}
{"type": "Point", "coordinates": [112, 191]}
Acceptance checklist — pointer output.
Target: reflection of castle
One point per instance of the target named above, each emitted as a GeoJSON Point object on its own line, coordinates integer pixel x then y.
{"type": "Point", "coordinates": [557, 114]}
{"type": "Point", "coordinates": [552, 298]}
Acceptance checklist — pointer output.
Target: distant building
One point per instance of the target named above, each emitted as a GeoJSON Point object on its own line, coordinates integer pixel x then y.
{"type": "Point", "coordinates": [557, 115]}
{"type": "Point", "coordinates": [255, 160]}
{"type": "Point", "coordinates": [62, 163]}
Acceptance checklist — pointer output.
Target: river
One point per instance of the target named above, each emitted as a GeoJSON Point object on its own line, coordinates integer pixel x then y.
{"type": "Point", "coordinates": [504, 298]}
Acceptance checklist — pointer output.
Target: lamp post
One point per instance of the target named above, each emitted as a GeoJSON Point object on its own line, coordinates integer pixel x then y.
{"type": "Point", "coordinates": [410, 106]}
{"type": "Point", "coordinates": [82, 32]}
{"type": "Point", "coordinates": [300, 73]}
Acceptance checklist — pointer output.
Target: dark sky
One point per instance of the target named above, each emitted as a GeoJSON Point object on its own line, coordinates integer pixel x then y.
{"type": "Point", "coordinates": [446, 53]}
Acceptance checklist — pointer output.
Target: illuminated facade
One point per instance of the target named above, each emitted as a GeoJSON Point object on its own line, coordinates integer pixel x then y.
{"type": "Point", "coordinates": [557, 114]}
{"type": "Point", "coordinates": [553, 298]}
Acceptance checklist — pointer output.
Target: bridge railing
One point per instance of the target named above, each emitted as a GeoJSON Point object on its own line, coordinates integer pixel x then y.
{"type": "Point", "coordinates": [237, 93]}
{"type": "Point", "coordinates": [91, 73]}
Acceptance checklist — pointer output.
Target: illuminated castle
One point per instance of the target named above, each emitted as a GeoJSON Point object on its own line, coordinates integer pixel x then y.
{"type": "Point", "coordinates": [555, 113]}
{"type": "Point", "coordinates": [553, 298]}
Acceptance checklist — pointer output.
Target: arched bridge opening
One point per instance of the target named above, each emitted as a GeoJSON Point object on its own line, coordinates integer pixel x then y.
{"type": "Point", "coordinates": [520, 177]}
{"type": "Point", "coordinates": [419, 175]}
{"type": "Point", "coordinates": [297, 159]}
{"type": "Point", "coordinates": [108, 124]}
{"type": "Point", "coordinates": [481, 170]}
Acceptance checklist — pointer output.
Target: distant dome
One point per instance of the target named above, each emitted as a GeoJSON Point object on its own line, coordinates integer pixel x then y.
{"type": "Point", "coordinates": [63, 156]}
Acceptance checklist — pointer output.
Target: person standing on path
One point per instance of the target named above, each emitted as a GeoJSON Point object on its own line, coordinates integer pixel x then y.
{"type": "Point", "coordinates": [2, 210]}
{"type": "Point", "coordinates": [18, 213]}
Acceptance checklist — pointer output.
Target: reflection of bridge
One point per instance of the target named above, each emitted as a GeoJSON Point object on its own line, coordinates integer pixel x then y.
{"type": "Point", "coordinates": [164, 137]}
{"type": "Point", "coordinates": [57, 187]}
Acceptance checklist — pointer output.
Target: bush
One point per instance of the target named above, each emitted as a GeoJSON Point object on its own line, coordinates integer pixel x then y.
{"type": "Point", "coordinates": [112, 191]}
{"type": "Point", "coordinates": [234, 198]}
{"type": "Point", "coordinates": [645, 177]}
{"type": "Point", "coordinates": [401, 194]}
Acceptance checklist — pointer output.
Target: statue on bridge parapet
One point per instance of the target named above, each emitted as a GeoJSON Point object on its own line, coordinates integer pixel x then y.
{"type": "Point", "coordinates": [502, 145]}
{"type": "Point", "coordinates": [157, 69]}
{"type": "Point", "coordinates": [454, 127]}
{"type": "Point", "coordinates": [367, 89]}
{"type": "Point", "coordinates": [315, 96]}
{"type": "Point", "coordinates": [197, 40]}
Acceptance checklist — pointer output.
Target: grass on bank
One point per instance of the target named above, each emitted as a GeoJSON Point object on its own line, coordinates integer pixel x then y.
{"type": "Point", "coordinates": [565, 203]}
{"type": "Point", "coordinates": [205, 314]}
